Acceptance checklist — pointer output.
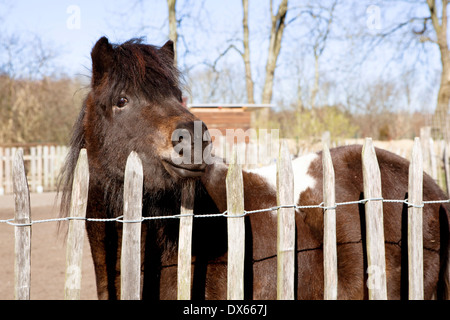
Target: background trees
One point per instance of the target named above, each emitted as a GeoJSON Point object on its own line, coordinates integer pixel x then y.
{"type": "Point", "coordinates": [356, 68]}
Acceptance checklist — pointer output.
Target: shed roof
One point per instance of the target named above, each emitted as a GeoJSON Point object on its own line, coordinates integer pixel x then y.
{"type": "Point", "coordinates": [229, 105]}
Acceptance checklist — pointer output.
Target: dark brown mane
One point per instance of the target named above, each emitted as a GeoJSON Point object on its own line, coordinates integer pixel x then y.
{"type": "Point", "coordinates": [142, 67]}
{"type": "Point", "coordinates": [66, 176]}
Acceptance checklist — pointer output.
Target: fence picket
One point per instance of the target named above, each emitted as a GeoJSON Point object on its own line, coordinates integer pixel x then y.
{"type": "Point", "coordinates": [33, 169]}
{"type": "Point", "coordinates": [376, 262]}
{"type": "Point", "coordinates": [425, 138]}
{"type": "Point", "coordinates": [131, 237]}
{"type": "Point", "coordinates": [8, 175]}
{"type": "Point", "coordinates": [329, 226]}
{"type": "Point", "coordinates": [45, 166]}
{"type": "Point", "coordinates": [22, 232]}
{"type": "Point", "coordinates": [75, 237]}
{"type": "Point", "coordinates": [236, 230]}
{"type": "Point", "coordinates": [2, 189]}
{"type": "Point", "coordinates": [285, 226]}
{"type": "Point", "coordinates": [39, 185]}
{"type": "Point", "coordinates": [447, 166]}
{"type": "Point", "coordinates": [42, 162]}
{"type": "Point", "coordinates": [415, 214]}
{"type": "Point", "coordinates": [185, 242]}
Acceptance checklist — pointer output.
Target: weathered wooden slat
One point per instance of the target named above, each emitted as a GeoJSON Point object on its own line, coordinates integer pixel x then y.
{"type": "Point", "coordinates": [329, 225]}
{"type": "Point", "coordinates": [185, 242]}
{"type": "Point", "coordinates": [446, 165]}
{"type": "Point", "coordinates": [131, 236]}
{"type": "Point", "coordinates": [285, 226]}
{"type": "Point", "coordinates": [39, 185]}
{"type": "Point", "coordinates": [326, 139]}
{"type": "Point", "coordinates": [8, 170]}
{"type": "Point", "coordinates": [33, 169]}
{"type": "Point", "coordinates": [2, 189]}
{"type": "Point", "coordinates": [75, 237]}
{"type": "Point", "coordinates": [22, 231]}
{"type": "Point", "coordinates": [415, 221]}
{"type": "Point", "coordinates": [374, 223]}
{"type": "Point", "coordinates": [236, 230]}
{"type": "Point", "coordinates": [425, 138]}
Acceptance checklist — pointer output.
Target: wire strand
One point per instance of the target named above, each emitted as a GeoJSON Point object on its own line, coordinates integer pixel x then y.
{"type": "Point", "coordinates": [225, 213]}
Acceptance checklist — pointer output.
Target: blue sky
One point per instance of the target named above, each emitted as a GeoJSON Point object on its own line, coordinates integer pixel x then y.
{"type": "Point", "coordinates": [71, 28]}
{"type": "Point", "coordinates": [56, 23]}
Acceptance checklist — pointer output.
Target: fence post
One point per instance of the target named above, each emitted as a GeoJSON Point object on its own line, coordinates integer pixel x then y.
{"type": "Point", "coordinates": [374, 223]}
{"type": "Point", "coordinates": [425, 138]}
{"type": "Point", "coordinates": [52, 167]}
{"type": "Point", "coordinates": [33, 169]}
{"type": "Point", "coordinates": [236, 229]}
{"type": "Point", "coordinates": [185, 242]}
{"type": "Point", "coordinates": [329, 226]}
{"type": "Point", "coordinates": [415, 213]}
{"type": "Point", "coordinates": [285, 226]}
{"type": "Point", "coordinates": [447, 165]}
{"type": "Point", "coordinates": [45, 168]}
{"type": "Point", "coordinates": [8, 175]}
{"type": "Point", "coordinates": [433, 164]}
{"type": "Point", "coordinates": [75, 237]}
{"type": "Point", "coordinates": [22, 231]}
{"type": "Point", "coordinates": [326, 139]}
{"type": "Point", "coordinates": [130, 263]}
{"type": "Point", "coordinates": [2, 189]}
{"type": "Point", "coordinates": [39, 184]}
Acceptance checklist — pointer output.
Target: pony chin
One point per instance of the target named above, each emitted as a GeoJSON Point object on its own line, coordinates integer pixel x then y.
{"type": "Point", "coordinates": [157, 179]}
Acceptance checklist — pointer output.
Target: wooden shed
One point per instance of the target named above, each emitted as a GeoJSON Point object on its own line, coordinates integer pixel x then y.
{"type": "Point", "coordinates": [232, 116]}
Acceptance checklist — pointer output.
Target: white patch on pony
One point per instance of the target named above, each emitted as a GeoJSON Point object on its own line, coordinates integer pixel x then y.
{"type": "Point", "coordinates": [300, 167]}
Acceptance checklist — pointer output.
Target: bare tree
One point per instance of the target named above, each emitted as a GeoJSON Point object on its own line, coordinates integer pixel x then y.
{"type": "Point", "coordinates": [414, 30]}
{"type": "Point", "coordinates": [173, 33]}
{"type": "Point", "coordinates": [246, 55]}
{"type": "Point", "coordinates": [439, 23]}
{"type": "Point", "coordinates": [278, 25]}
{"type": "Point", "coordinates": [320, 41]}
{"type": "Point", "coordinates": [226, 86]}
{"type": "Point", "coordinates": [276, 34]}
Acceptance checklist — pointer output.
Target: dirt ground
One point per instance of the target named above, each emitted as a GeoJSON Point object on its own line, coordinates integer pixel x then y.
{"type": "Point", "coordinates": [48, 253]}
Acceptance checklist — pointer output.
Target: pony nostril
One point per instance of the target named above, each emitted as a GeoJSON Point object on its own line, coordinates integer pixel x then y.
{"type": "Point", "coordinates": [176, 142]}
{"type": "Point", "coordinates": [186, 132]}
{"type": "Point", "coordinates": [192, 136]}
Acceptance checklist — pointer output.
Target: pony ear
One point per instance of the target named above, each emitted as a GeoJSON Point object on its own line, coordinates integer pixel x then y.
{"type": "Point", "coordinates": [102, 59]}
{"type": "Point", "coordinates": [168, 49]}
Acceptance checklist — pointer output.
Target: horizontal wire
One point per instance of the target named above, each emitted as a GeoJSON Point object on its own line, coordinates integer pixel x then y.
{"type": "Point", "coordinates": [225, 213]}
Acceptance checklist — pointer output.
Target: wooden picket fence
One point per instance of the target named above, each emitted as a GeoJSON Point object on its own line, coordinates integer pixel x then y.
{"type": "Point", "coordinates": [130, 257]}
{"type": "Point", "coordinates": [42, 162]}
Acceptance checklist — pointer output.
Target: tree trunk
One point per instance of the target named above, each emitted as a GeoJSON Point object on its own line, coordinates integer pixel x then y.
{"type": "Point", "coordinates": [246, 55]}
{"type": "Point", "coordinates": [315, 87]}
{"type": "Point", "coordinates": [276, 34]}
{"type": "Point", "coordinates": [173, 34]}
{"type": "Point", "coordinates": [440, 118]}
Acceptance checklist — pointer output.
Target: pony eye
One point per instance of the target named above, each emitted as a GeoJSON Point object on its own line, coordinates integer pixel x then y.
{"type": "Point", "coordinates": [122, 102]}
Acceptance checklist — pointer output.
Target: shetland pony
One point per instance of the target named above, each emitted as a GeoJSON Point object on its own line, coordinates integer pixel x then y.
{"type": "Point", "coordinates": [135, 104]}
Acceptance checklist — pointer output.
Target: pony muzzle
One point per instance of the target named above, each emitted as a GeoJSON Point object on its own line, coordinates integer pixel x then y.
{"type": "Point", "coordinates": [184, 171]}
{"type": "Point", "coordinates": [191, 146]}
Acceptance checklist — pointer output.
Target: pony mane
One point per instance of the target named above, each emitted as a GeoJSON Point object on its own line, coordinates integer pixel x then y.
{"type": "Point", "coordinates": [66, 175]}
{"type": "Point", "coordinates": [144, 69]}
